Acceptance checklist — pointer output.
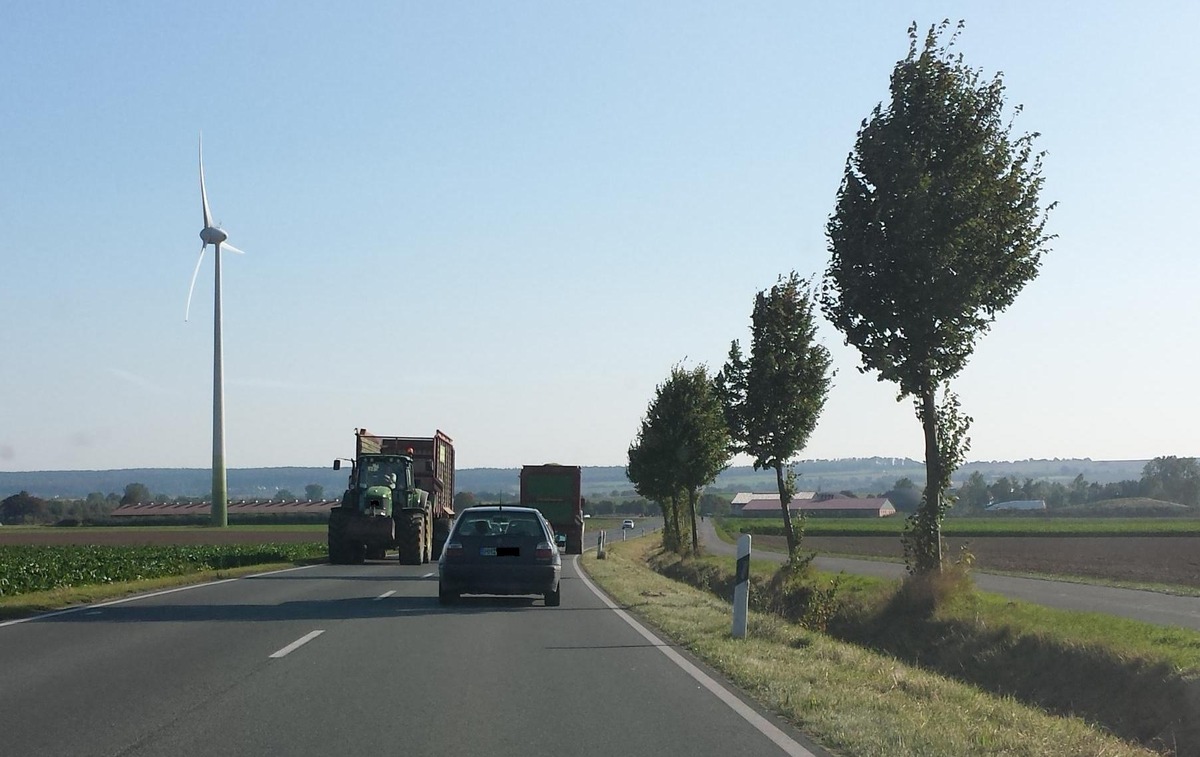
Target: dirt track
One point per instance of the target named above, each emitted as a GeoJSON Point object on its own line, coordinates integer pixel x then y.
{"type": "Point", "coordinates": [1146, 559]}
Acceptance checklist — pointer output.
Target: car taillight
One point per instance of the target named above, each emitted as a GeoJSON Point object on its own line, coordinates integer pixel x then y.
{"type": "Point", "coordinates": [453, 549]}
{"type": "Point", "coordinates": [544, 551]}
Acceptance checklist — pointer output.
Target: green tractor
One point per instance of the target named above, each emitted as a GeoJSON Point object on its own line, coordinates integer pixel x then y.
{"type": "Point", "coordinates": [381, 509]}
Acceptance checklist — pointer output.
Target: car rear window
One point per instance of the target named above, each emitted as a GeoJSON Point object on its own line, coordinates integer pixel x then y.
{"type": "Point", "coordinates": [500, 524]}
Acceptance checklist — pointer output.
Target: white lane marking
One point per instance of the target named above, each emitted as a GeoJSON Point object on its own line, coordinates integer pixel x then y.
{"type": "Point", "coordinates": [429, 575]}
{"type": "Point", "coordinates": [764, 726]}
{"type": "Point", "coordinates": [149, 595]}
{"type": "Point", "coordinates": [297, 644]}
{"type": "Point", "coordinates": [384, 595]}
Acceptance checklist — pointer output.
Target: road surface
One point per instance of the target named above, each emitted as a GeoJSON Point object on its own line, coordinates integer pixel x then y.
{"type": "Point", "coordinates": [332, 660]}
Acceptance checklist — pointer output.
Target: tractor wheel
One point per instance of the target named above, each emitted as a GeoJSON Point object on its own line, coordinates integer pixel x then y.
{"type": "Point", "coordinates": [411, 540]}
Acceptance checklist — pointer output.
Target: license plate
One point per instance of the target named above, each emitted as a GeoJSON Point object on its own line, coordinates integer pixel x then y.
{"type": "Point", "coordinates": [487, 551]}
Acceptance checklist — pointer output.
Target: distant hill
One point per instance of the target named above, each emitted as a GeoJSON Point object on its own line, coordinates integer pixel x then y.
{"type": "Point", "coordinates": [863, 475]}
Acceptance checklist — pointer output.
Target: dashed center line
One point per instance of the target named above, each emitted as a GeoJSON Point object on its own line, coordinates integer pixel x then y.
{"type": "Point", "coordinates": [297, 644]}
{"type": "Point", "coordinates": [384, 595]}
{"type": "Point", "coordinates": [429, 575]}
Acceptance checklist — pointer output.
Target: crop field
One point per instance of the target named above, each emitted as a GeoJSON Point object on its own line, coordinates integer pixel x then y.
{"type": "Point", "coordinates": [178, 535]}
{"type": "Point", "coordinates": [29, 568]}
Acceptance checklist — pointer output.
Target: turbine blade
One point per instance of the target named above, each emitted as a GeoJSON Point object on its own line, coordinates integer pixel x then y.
{"type": "Point", "coordinates": [203, 193]}
{"type": "Point", "coordinates": [188, 309]}
{"type": "Point", "coordinates": [231, 248]}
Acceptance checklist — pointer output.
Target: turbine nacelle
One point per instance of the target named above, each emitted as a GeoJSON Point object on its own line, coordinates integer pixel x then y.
{"type": "Point", "coordinates": [213, 235]}
{"type": "Point", "coordinates": [210, 234]}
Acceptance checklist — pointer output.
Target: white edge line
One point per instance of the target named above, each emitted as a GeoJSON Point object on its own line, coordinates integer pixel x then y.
{"type": "Point", "coordinates": [297, 644]}
{"type": "Point", "coordinates": [764, 726]}
{"type": "Point", "coordinates": [384, 595]}
{"type": "Point", "coordinates": [149, 595]}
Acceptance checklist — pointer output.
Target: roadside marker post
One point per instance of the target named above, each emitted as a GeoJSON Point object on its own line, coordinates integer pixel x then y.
{"type": "Point", "coordinates": [600, 546]}
{"type": "Point", "coordinates": [741, 587]}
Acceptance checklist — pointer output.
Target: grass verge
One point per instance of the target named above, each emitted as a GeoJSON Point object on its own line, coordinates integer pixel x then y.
{"type": "Point", "coordinates": [853, 697]}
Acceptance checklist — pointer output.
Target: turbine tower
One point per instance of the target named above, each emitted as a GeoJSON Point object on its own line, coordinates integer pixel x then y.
{"type": "Point", "coordinates": [215, 236]}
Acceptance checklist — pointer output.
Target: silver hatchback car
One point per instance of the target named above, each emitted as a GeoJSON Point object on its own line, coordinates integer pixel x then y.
{"type": "Point", "coordinates": [500, 550]}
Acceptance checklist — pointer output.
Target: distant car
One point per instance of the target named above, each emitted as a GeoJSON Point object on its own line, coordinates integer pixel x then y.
{"type": "Point", "coordinates": [627, 524]}
{"type": "Point", "coordinates": [587, 515]}
{"type": "Point", "coordinates": [500, 550]}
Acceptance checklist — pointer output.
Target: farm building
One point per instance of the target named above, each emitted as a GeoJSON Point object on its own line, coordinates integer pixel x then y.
{"type": "Point", "coordinates": [753, 503]}
{"type": "Point", "coordinates": [1018, 504]}
{"type": "Point", "coordinates": [810, 503]}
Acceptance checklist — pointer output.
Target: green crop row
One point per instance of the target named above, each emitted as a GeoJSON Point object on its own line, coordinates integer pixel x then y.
{"type": "Point", "coordinates": [26, 568]}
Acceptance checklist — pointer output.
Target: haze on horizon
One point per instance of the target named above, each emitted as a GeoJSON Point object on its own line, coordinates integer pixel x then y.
{"type": "Point", "coordinates": [509, 221]}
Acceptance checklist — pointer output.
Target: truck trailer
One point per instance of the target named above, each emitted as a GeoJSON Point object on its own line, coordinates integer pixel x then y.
{"type": "Point", "coordinates": [556, 490]}
{"type": "Point", "coordinates": [400, 496]}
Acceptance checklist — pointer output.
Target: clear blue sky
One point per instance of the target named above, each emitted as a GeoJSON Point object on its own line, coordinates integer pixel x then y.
{"type": "Point", "coordinates": [508, 221]}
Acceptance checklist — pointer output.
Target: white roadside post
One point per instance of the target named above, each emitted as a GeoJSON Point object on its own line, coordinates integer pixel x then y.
{"type": "Point", "coordinates": [600, 546]}
{"type": "Point", "coordinates": [741, 587]}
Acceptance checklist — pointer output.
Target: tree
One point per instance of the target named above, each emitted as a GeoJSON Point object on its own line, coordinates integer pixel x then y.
{"type": "Point", "coordinates": [904, 495]}
{"type": "Point", "coordinates": [680, 448]}
{"type": "Point", "coordinates": [1175, 479]}
{"type": "Point", "coordinates": [22, 507]}
{"type": "Point", "coordinates": [136, 494]}
{"type": "Point", "coordinates": [973, 495]}
{"type": "Point", "coordinates": [284, 495]}
{"type": "Point", "coordinates": [314, 492]}
{"type": "Point", "coordinates": [772, 399]}
{"type": "Point", "coordinates": [463, 500]}
{"type": "Point", "coordinates": [936, 229]}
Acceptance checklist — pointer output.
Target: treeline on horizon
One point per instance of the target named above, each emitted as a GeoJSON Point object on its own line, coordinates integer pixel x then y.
{"type": "Point", "coordinates": [865, 474]}
{"type": "Point", "coordinates": [608, 492]}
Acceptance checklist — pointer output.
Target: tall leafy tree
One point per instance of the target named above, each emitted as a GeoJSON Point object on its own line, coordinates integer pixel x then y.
{"type": "Point", "coordinates": [136, 494]}
{"type": "Point", "coordinates": [937, 228]}
{"type": "Point", "coordinates": [680, 448]}
{"type": "Point", "coordinates": [314, 492]}
{"type": "Point", "coordinates": [773, 397]}
{"type": "Point", "coordinates": [1172, 478]}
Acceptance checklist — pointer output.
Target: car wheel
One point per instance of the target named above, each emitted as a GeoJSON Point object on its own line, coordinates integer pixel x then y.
{"type": "Point", "coordinates": [554, 598]}
{"type": "Point", "coordinates": [446, 597]}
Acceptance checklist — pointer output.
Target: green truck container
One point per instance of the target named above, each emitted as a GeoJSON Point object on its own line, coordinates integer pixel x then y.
{"type": "Point", "coordinates": [556, 490]}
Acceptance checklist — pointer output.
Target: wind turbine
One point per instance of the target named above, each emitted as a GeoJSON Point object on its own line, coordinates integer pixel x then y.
{"type": "Point", "coordinates": [215, 236]}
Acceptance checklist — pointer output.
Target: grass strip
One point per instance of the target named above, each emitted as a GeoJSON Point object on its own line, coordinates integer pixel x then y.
{"type": "Point", "coordinates": [847, 697]}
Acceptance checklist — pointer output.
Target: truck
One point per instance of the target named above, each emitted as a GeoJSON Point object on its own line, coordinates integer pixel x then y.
{"type": "Point", "coordinates": [400, 496]}
{"type": "Point", "coordinates": [555, 490]}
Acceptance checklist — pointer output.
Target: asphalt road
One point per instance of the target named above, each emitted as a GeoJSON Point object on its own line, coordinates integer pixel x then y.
{"type": "Point", "coordinates": [333, 660]}
{"type": "Point", "coordinates": [1147, 606]}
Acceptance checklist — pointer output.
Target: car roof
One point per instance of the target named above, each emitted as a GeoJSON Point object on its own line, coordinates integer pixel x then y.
{"type": "Point", "coordinates": [500, 509]}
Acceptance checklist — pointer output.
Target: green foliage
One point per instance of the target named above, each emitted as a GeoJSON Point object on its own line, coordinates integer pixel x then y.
{"type": "Point", "coordinates": [773, 398]}
{"type": "Point", "coordinates": [314, 492]}
{"type": "Point", "coordinates": [680, 448]}
{"type": "Point", "coordinates": [22, 507]}
{"type": "Point", "coordinates": [136, 494]}
{"type": "Point", "coordinates": [937, 228]}
{"type": "Point", "coordinates": [26, 568]}
{"type": "Point", "coordinates": [1176, 479]}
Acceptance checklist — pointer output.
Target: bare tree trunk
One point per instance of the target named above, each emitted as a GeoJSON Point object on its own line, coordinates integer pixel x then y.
{"type": "Point", "coordinates": [692, 496]}
{"type": "Point", "coordinates": [931, 503]}
{"type": "Point", "coordinates": [785, 502]}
